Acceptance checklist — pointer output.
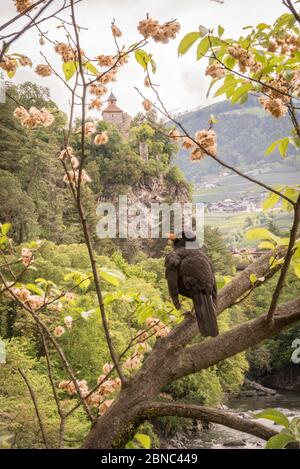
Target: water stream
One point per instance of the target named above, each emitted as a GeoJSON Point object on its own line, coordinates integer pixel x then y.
{"type": "Point", "coordinates": [218, 437]}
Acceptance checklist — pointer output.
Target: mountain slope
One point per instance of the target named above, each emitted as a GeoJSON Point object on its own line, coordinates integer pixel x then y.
{"type": "Point", "coordinates": [243, 134]}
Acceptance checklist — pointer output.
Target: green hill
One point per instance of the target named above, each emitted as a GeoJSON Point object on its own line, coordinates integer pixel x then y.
{"type": "Point", "coordinates": [243, 134]}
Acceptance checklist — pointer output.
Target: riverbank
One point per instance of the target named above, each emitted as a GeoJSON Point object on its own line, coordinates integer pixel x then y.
{"type": "Point", "coordinates": [219, 437]}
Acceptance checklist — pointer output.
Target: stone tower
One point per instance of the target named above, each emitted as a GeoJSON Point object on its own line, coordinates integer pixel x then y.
{"type": "Point", "coordinates": [113, 114]}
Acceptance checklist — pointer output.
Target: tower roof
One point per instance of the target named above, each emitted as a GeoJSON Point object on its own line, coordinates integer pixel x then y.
{"type": "Point", "coordinates": [112, 97]}
{"type": "Point", "coordinates": [112, 107]}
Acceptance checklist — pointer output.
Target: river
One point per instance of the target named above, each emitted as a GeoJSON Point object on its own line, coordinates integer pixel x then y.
{"type": "Point", "coordinates": [219, 437]}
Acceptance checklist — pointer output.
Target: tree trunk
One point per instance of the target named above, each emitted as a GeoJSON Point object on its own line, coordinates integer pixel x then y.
{"type": "Point", "coordinates": [172, 358]}
{"type": "Point", "coordinates": [169, 361]}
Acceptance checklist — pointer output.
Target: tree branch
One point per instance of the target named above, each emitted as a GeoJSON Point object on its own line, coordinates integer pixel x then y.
{"type": "Point", "coordinates": [35, 23]}
{"type": "Point", "coordinates": [171, 360]}
{"type": "Point", "coordinates": [54, 342]}
{"type": "Point", "coordinates": [207, 414]}
{"type": "Point", "coordinates": [6, 45]}
{"type": "Point", "coordinates": [23, 13]}
{"type": "Point", "coordinates": [290, 6]}
{"type": "Point", "coordinates": [81, 212]}
{"type": "Point", "coordinates": [210, 352]}
{"type": "Point", "coordinates": [54, 390]}
{"type": "Point", "coordinates": [287, 260]}
{"type": "Point", "coordinates": [34, 400]}
{"type": "Point", "coordinates": [166, 114]}
{"type": "Point", "coordinates": [239, 285]}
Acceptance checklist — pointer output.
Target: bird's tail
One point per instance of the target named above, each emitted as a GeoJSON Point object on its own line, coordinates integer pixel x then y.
{"type": "Point", "coordinates": [205, 314]}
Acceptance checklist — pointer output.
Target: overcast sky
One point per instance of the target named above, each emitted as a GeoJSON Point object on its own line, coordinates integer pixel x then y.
{"type": "Point", "coordinates": [182, 82]}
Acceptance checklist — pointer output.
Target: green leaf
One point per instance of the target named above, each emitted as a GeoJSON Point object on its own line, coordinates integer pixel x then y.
{"type": "Point", "coordinates": [274, 262]}
{"type": "Point", "coordinates": [253, 278]}
{"type": "Point", "coordinates": [84, 283]}
{"type": "Point", "coordinates": [220, 281]}
{"type": "Point", "coordinates": [112, 276]}
{"type": "Point", "coordinates": [270, 201]}
{"type": "Point", "coordinates": [11, 73]}
{"type": "Point", "coordinates": [187, 41]}
{"type": "Point", "coordinates": [3, 240]}
{"type": "Point", "coordinates": [281, 143]}
{"type": "Point", "coordinates": [33, 245]}
{"type": "Point", "coordinates": [262, 26]}
{"type": "Point", "coordinates": [142, 58]}
{"type": "Point", "coordinates": [220, 30]}
{"type": "Point", "coordinates": [110, 298]}
{"type": "Point", "coordinates": [271, 148]}
{"type": "Point", "coordinates": [41, 280]}
{"type": "Point", "coordinates": [266, 245]}
{"type": "Point", "coordinates": [143, 312]}
{"type": "Point", "coordinates": [203, 47]}
{"type": "Point", "coordinates": [279, 441]}
{"type": "Point", "coordinates": [32, 287]}
{"type": "Point", "coordinates": [283, 146]}
{"type": "Point", "coordinates": [91, 68]}
{"type": "Point", "coordinates": [231, 85]}
{"type": "Point", "coordinates": [229, 61]}
{"type": "Point", "coordinates": [242, 90]}
{"type": "Point", "coordinates": [213, 119]}
{"type": "Point", "coordinates": [284, 241]}
{"type": "Point", "coordinates": [143, 439]}
{"type": "Point", "coordinates": [259, 233]}
{"type": "Point", "coordinates": [69, 68]}
{"type": "Point", "coordinates": [131, 445]}
{"type": "Point", "coordinates": [82, 280]}
{"type": "Point", "coordinates": [227, 279]}
{"type": "Point", "coordinates": [5, 228]}
{"type": "Point", "coordinates": [282, 20]}
{"type": "Point", "coordinates": [291, 194]}
{"type": "Point", "coordinates": [296, 266]}
{"type": "Point", "coordinates": [297, 252]}
{"type": "Point", "coordinates": [274, 415]}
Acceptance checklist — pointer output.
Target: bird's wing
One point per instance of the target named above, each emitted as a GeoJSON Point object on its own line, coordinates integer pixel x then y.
{"type": "Point", "coordinates": [196, 273]}
{"type": "Point", "coordinates": [197, 276]}
{"type": "Point", "coordinates": [215, 288]}
{"type": "Point", "coordinates": [172, 263]}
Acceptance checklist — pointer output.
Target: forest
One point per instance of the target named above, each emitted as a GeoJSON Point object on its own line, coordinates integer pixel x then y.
{"type": "Point", "coordinates": [94, 351]}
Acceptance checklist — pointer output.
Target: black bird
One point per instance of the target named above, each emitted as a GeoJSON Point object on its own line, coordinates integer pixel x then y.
{"type": "Point", "coordinates": [189, 272]}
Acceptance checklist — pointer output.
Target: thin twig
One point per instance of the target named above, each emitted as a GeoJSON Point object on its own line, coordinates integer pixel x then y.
{"type": "Point", "coordinates": [165, 113]}
{"type": "Point", "coordinates": [6, 45]}
{"type": "Point", "coordinates": [36, 408]}
{"type": "Point", "coordinates": [287, 261]}
{"type": "Point", "coordinates": [82, 212]}
{"type": "Point", "coordinates": [23, 13]}
{"type": "Point", "coordinates": [290, 6]}
{"type": "Point", "coordinates": [54, 343]}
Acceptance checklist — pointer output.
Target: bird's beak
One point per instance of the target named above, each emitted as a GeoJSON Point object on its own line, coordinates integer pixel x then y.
{"type": "Point", "coordinates": [171, 236]}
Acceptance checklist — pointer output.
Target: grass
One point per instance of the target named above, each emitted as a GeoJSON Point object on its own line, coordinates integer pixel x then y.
{"type": "Point", "coordinates": [231, 222]}
{"type": "Point", "coordinates": [233, 186]}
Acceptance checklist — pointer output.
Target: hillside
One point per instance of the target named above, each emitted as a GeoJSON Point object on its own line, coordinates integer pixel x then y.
{"type": "Point", "coordinates": [244, 132]}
